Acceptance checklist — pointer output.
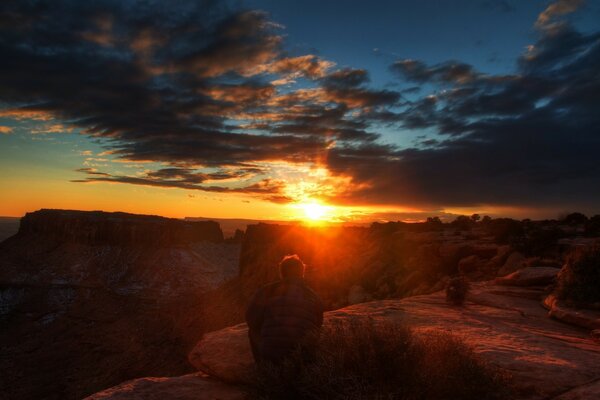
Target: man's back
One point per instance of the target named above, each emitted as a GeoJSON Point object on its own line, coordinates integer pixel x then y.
{"type": "Point", "coordinates": [280, 316]}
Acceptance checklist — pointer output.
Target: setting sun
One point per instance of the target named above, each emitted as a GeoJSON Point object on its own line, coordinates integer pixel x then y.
{"type": "Point", "coordinates": [315, 211]}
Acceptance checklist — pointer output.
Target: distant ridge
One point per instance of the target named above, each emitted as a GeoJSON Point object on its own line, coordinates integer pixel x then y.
{"type": "Point", "coordinates": [229, 225]}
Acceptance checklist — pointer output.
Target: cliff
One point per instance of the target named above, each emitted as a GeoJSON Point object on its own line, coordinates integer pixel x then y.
{"type": "Point", "coordinates": [98, 227]}
{"type": "Point", "coordinates": [89, 299]}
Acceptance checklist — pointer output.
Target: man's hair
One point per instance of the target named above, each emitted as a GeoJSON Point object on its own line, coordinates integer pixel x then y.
{"type": "Point", "coordinates": [291, 266]}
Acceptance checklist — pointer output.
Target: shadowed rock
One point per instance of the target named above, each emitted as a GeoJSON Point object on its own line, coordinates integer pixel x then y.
{"type": "Point", "coordinates": [530, 276]}
{"type": "Point", "coordinates": [188, 387]}
{"type": "Point", "coordinates": [589, 319]}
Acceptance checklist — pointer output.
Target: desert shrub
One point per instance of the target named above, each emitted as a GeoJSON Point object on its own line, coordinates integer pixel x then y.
{"type": "Point", "coordinates": [456, 290]}
{"type": "Point", "coordinates": [579, 280]}
{"type": "Point", "coordinates": [592, 227]}
{"type": "Point", "coordinates": [368, 360]}
{"type": "Point", "coordinates": [463, 223]}
{"type": "Point", "coordinates": [575, 218]}
{"type": "Point", "coordinates": [539, 240]}
{"type": "Point", "coordinates": [505, 230]}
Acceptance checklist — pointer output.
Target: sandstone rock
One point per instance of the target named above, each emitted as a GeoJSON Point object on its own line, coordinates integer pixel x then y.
{"type": "Point", "coordinates": [188, 387]}
{"type": "Point", "coordinates": [118, 227]}
{"type": "Point", "coordinates": [514, 262]}
{"type": "Point", "coordinates": [225, 354]}
{"type": "Point", "coordinates": [589, 319]}
{"type": "Point", "coordinates": [500, 258]}
{"type": "Point", "coordinates": [545, 357]}
{"type": "Point", "coordinates": [530, 276]}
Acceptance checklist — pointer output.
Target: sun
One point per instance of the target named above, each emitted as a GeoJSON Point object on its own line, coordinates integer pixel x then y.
{"type": "Point", "coordinates": [315, 211]}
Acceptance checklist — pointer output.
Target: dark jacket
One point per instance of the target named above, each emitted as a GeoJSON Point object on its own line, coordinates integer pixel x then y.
{"type": "Point", "coordinates": [279, 317]}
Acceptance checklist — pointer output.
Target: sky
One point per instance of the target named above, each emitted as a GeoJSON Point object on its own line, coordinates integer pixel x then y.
{"type": "Point", "coordinates": [264, 109]}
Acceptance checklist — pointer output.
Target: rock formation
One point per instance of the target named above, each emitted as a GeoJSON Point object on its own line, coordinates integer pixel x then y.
{"type": "Point", "coordinates": [193, 387]}
{"type": "Point", "coordinates": [90, 299]}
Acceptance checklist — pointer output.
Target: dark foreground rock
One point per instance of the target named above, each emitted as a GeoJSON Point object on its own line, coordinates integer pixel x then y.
{"type": "Point", "coordinates": [188, 387]}
{"type": "Point", "coordinates": [506, 325]}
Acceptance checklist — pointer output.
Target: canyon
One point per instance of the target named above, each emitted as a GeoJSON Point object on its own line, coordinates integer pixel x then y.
{"type": "Point", "coordinates": [89, 300]}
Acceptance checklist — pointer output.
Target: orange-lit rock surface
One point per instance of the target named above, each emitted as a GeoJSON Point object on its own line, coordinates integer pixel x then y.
{"type": "Point", "coordinates": [529, 276]}
{"type": "Point", "coordinates": [506, 325]}
{"type": "Point", "coordinates": [588, 319]}
{"type": "Point", "coordinates": [188, 387]}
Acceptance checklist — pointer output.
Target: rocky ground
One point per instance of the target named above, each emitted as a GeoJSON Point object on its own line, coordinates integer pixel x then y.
{"type": "Point", "coordinates": [504, 321]}
{"type": "Point", "coordinates": [90, 300]}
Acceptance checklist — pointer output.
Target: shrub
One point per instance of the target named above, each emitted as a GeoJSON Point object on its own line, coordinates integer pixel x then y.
{"type": "Point", "coordinates": [579, 280]}
{"type": "Point", "coordinates": [456, 290]}
{"type": "Point", "coordinates": [368, 360]}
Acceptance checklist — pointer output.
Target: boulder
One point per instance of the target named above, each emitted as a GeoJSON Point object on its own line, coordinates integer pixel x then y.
{"type": "Point", "coordinates": [513, 263]}
{"type": "Point", "coordinates": [225, 354]}
{"type": "Point", "coordinates": [589, 319]}
{"type": "Point", "coordinates": [499, 259]}
{"type": "Point", "coordinates": [188, 387]}
{"type": "Point", "coordinates": [506, 326]}
{"type": "Point", "coordinates": [530, 276]}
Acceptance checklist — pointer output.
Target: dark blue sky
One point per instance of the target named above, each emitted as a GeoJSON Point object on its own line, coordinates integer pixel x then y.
{"type": "Point", "coordinates": [489, 34]}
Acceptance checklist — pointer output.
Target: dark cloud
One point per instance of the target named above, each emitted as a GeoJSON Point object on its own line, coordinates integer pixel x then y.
{"type": "Point", "coordinates": [184, 178]}
{"type": "Point", "coordinates": [449, 72]}
{"type": "Point", "coordinates": [207, 91]}
{"type": "Point", "coordinates": [529, 139]}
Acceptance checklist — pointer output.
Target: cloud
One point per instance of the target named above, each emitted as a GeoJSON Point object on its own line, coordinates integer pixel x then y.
{"type": "Point", "coordinates": [554, 10]}
{"type": "Point", "coordinates": [211, 94]}
{"type": "Point", "coordinates": [526, 139]}
{"type": "Point", "coordinates": [183, 178]}
{"type": "Point", "coordinates": [5, 130]}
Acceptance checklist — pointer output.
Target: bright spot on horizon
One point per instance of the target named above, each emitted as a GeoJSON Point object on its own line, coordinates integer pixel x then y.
{"type": "Point", "coordinates": [315, 212]}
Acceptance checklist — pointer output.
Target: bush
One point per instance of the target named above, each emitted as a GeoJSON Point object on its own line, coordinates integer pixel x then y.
{"type": "Point", "coordinates": [367, 360]}
{"type": "Point", "coordinates": [456, 290]}
{"type": "Point", "coordinates": [579, 280]}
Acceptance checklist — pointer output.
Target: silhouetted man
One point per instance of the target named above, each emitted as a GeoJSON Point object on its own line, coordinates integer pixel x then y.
{"type": "Point", "coordinates": [281, 315]}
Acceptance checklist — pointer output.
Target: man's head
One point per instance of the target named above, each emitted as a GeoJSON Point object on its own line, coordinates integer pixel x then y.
{"type": "Point", "coordinates": [291, 267]}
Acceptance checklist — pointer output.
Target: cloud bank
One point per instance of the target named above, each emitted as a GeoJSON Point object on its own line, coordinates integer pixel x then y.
{"type": "Point", "coordinates": [212, 94]}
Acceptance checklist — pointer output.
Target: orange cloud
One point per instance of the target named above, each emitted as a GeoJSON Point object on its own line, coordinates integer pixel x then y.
{"type": "Point", "coordinates": [556, 9]}
{"type": "Point", "coordinates": [21, 114]}
{"type": "Point", "coordinates": [5, 130]}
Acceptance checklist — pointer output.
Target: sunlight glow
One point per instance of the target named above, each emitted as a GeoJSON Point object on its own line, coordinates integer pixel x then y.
{"type": "Point", "coordinates": [315, 211]}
